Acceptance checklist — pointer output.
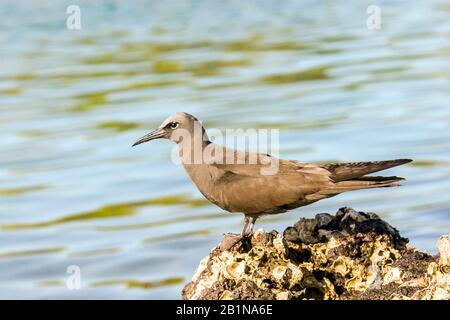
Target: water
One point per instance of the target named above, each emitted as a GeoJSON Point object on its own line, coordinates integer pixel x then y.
{"type": "Point", "coordinates": [73, 192]}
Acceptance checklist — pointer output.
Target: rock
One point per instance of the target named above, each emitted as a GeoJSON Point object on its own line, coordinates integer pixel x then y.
{"type": "Point", "coordinates": [351, 255]}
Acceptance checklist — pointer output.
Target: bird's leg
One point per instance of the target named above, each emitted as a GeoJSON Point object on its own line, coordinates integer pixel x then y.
{"type": "Point", "coordinates": [231, 239]}
{"type": "Point", "coordinates": [249, 222]}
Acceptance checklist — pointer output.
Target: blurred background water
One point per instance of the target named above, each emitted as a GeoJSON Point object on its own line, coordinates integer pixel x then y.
{"type": "Point", "coordinates": [73, 191]}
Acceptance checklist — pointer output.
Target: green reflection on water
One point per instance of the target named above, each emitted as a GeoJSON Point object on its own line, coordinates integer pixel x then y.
{"type": "Point", "coordinates": [353, 86]}
{"type": "Point", "coordinates": [19, 191]}
{"type": "Point", "coordinates": [135, 284]}
{"type": "Point", "coordinates": [163, 47]}
{"type": "Point", "coordinates": [117, 125]}
{"type": "Point", "coordinates": [327, 51]}
{"type": "Point", "coordinates": [338, 38]}
{"type": "Point", "coordinates": [51, 283]}
{"type": "Point", "coordinates": [149, 85]}
{"type": "Point", "coordinates": [394, 70]}
{"type": "Point", "coordinates": [15, 254]}
{"type": "Point", "coordinates": [318, 73]}
{"type": "Point", "coordinates": [112, 211]}
{"type": "Point", "coordinates": [11, 91]}
{"type": "Point", "coordinates": [213, 67]}
{"type": "Point", "coordinates": [166, 66]}
{"type": "Point", "coordinates": [205, 68]}
{"type": "Point", "coordinates": [33, 134]}
{"type": "Point", "coordinates": [24, 77]}
{"type": "Point", "coordinates": [130, 284]}
{"type": "Point", "coordinates": [95, 252]}
{"type": "Point", "coordinates": [93, 100]}
{"type": "Point", "coordinates": [428, 163]}
{"type": "Point", "coordinates": [255, 44]}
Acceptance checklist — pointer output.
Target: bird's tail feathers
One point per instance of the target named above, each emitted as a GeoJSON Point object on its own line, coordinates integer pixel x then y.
{"type": "Point", "coordinates": [366, 182]}
{"type": "Point", "coordinates": [352, 170]}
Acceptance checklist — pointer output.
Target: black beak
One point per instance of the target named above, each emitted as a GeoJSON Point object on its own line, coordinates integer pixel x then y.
{"type": "Point", "coordinates": [156, 134]}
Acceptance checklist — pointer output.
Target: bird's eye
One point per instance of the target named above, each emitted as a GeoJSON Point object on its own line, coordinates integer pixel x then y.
{"type": "Point", "coordinates": [174, 125]}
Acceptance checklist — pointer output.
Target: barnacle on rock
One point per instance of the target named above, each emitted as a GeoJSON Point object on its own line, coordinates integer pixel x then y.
{"type": "Point", "coordinates": [351, 255]}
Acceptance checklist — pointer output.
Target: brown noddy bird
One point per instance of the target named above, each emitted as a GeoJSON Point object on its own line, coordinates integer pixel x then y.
{"type": "Point", "coordinates": [257, 184]}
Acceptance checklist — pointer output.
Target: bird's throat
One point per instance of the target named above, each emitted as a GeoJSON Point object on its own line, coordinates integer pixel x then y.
{"type": "Point", "coordinates": [194, 150]}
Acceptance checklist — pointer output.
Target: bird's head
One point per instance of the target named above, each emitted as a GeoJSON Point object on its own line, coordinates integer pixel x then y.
{"type": "Point", "coordinates": [175, 128]}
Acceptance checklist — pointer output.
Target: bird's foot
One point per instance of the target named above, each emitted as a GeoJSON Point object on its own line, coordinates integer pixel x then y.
{"type": "Point", "coordinates": [229, 241]}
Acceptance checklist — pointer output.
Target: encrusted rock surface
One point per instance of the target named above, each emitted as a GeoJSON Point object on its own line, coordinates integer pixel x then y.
{"type": "Point", "coordinates": [351, 255]}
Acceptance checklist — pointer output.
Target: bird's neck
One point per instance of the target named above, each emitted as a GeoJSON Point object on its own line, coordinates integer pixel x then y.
{"type": "Point", "coordinates": [192, 148]}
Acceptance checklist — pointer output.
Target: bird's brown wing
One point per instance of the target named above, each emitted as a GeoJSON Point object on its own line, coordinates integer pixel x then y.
{"type": "Point", "coordinates": [245, 188]}
{"type": "Point", "coordinates": [352, 170]}
{"type": "Point", "coordinates": [242, 188]}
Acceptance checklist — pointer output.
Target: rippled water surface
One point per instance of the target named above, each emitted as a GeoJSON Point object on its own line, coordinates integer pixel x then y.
{"type": "Point", "coordinates": [73, 191]}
